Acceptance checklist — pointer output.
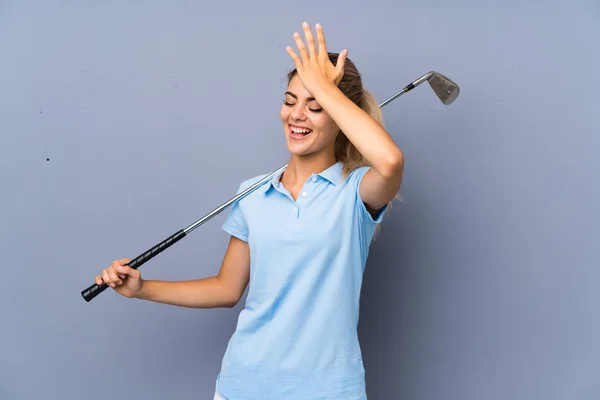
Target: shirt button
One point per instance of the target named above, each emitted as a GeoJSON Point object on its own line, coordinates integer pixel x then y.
{"type": "Point", "coordinates": [304, 194]}
{"type": "Point", "coordinates": [314, 179]}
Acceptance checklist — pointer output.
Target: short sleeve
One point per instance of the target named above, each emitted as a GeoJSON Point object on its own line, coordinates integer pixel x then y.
{"type": "Point", "coordinates": [235, 223]}
{"type": "Point", "coordinates": [366, 217]}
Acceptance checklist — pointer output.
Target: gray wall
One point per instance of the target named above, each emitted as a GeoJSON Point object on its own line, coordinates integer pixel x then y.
{"type": "Point", "coordinates": [123, 122]}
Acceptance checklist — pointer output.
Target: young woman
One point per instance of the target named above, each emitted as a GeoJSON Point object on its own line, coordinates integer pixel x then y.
{"type": "Point", "coordinates": [299, 242]}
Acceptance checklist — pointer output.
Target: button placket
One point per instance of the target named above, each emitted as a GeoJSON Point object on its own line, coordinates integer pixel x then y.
{"type": "Point", "coordinates": [304, 195]}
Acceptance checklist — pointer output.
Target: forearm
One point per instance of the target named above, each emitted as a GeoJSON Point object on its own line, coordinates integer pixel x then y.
{"type": "Point", "coordinates": [201, 293]}
{"type": "Point", "coordinates": [366, 134]}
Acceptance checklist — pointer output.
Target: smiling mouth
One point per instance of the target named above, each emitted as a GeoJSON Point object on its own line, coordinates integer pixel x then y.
{"type": "Point", "coordinates": [299, 133]}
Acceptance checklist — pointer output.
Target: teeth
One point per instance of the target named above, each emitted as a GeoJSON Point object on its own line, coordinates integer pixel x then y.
{"type": "Point", "coordinates": [300, 130]}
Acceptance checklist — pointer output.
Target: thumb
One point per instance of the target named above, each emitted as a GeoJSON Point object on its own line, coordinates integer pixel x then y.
{"type": "Point", "coordinates": [128, 271]}
{"type": "Point", "coordinates": [341, 61]}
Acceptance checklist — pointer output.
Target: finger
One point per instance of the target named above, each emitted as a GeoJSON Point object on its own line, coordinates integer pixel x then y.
{"type": "Point", "coordinates": [310, 40]}
{"type": "Point", "coordinates": [99, 280]}
{"type": "Point", "coordinates": [106, 278]}
{"type": "Point", "coordinates": [301, 47]}
{"type": "Point", "coordinates": [114, 277]}
{"type": "Point", "coordinates": [128, 271]}
{"type": "Point", "coordinates": [113, 273]}
{"type": "Point", "coordinates": [321, 40]}
{"type": "Point", "coordinates": [341, 61]}
{"type": "Point", "coordinates": [294, 56]}
{"type": "Point", "coordinates": [123, 261]}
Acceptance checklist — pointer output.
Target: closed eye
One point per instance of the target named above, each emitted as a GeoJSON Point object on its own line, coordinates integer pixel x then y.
{"type": "Point", "coordinates": [316, 110]}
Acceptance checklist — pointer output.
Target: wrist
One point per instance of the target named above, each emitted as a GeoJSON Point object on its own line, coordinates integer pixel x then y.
{"type": "Point", "coordinates": [142, 293]}
{"type": "Point", "coordinates": [330, 97]}
{"type": "Point", "coordinates": [325, 89]}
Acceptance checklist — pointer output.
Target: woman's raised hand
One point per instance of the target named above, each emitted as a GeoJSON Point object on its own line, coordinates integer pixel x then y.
{"type": "Point", "coordinates": [313, 64]}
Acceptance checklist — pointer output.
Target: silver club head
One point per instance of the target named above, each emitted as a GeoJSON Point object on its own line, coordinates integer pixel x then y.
{"type": "Point", "coordinates": [445, 89]}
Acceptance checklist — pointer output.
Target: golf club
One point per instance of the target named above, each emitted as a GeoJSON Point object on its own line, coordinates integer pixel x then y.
{"type": "Point", "coordinates": [445, 89]}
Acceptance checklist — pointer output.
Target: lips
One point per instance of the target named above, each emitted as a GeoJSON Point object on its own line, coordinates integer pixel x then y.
{"type": "Point", "coordinates": [299, 133]}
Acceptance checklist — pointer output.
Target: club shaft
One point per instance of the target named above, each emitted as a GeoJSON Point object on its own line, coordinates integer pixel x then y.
{"type": "Point", "coordinates": [94, 290]}
{"type": "Point", "coordinates": [238, 197]}
{"type": "Point", "coordinates": [408, 88]}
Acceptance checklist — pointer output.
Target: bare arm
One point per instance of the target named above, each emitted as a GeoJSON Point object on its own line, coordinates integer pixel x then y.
{"type": "Point", "coordinates": [223, 290]}
{"type": "Point", "coordinates": [382, 182]}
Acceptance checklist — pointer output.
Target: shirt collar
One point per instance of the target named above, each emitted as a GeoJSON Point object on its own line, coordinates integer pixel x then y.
{"type": "Point", "coordinates": [332, 174]}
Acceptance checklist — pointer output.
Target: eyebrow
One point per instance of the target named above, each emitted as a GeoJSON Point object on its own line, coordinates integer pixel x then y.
{"type": "Point", "coordinates": [296, 97]}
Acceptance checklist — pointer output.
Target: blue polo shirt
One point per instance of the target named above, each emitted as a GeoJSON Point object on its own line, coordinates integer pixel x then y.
{"type": "Point", "coordinates": [296, 337]}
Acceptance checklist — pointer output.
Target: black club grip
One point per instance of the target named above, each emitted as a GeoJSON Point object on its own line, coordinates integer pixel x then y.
{"type": "Point", "coordinates": [95, 289]}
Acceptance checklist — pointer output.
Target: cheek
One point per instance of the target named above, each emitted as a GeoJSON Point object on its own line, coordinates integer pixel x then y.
{"type": "Point", "coordinates": [327, 126]}
{"type": "Point", "coordinates": [284, 113]}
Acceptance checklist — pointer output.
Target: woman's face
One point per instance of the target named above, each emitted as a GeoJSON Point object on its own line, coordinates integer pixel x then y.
{"type": "Point", "coordinates": [308, 128]}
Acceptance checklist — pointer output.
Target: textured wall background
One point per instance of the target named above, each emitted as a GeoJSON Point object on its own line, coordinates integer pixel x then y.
{"type": "Point", "coordinates": [122, 122]}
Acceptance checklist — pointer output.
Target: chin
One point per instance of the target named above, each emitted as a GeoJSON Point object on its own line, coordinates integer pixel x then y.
{"type": "Point", "coordinates": [298, 150]}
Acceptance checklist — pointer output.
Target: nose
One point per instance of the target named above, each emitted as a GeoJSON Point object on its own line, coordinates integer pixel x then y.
{"type": "Point", "coordinates": [298, 113]}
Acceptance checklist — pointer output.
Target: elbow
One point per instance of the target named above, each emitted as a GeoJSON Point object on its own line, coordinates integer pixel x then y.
{"type": "Point", "coordinates": [231, 300]}
{"type": "Point", "coordinates": [230, 304]}
{"type": "Point", "coordinates": [228, 293]}
{"type": "Point", "coordinates": [393, 164]}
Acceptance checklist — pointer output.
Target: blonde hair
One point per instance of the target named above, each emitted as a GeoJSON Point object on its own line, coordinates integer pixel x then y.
{"type": "Point", "coordinates": [352, 87]}
{"type": "Point", "coordinates": [345, 151]}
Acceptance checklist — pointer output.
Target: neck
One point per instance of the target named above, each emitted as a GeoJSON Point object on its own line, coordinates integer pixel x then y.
{"type": "Point", "coordinates": [300, 168]}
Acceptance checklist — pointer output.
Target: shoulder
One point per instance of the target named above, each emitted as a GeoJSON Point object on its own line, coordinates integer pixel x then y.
{"type": "Point", "coordinates": [237, 213]}
{"type": "Point", "coordinates": [250, 182]}
{"type": "Point", "coordinates": [245, 184]}
{"type": "Point", "coordinates": [355, 176]}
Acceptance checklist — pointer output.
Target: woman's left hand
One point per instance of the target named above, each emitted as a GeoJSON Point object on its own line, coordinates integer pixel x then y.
{"type": "Point", "coordinates": [314, 66]}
